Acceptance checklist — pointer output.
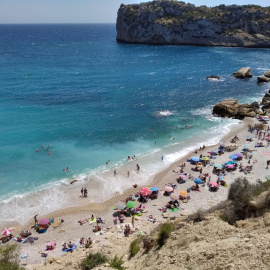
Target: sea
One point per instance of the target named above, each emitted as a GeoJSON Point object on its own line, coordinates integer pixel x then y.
{"type": "Point", "coordinates": [75, 104]}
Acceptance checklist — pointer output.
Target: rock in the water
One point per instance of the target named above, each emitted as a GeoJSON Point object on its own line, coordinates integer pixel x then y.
{"type": "Point", "coordinates": [215, 77]}
{"type": "Point", "coordinates": [262, 79]}
{"type": "Point", "coordinates": [231, 108]}
{"type": "Point", "coordinates": [267, 74]}
{"type": "Point", "coordinates": [243, 73]}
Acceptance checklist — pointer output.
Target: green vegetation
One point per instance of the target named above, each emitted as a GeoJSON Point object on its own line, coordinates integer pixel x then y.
{"type": "Point", "coordinates": [116, 263]}
{"type": "Point", "coordinates": [197, 217]}
{"type": "Point", "coordinates": [93, 260]}
{"type": "Point", "coordinates": [9, 258]}
{"type": "Point", "coordinates": [242, 195]}
{"type": "Point", "coordinates": [134, 246]}
{"type": "Point", "coordinates": [164, 233]}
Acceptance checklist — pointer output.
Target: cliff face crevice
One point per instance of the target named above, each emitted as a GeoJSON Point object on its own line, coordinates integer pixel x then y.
{"type": "Point", "coordinates": [177, 23]}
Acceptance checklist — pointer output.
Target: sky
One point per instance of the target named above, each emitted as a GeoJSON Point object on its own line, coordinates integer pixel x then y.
{"type": "Point", "coordinates": [82, 11]}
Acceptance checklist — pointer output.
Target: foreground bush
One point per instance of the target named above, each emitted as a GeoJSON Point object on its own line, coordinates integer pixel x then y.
{"type": "Point", "coordinates": [164, 233]}
{"type": "Point", "coordinates": [93, 260]}
{"type": "Point", "coordinates": [197, 217]}
{"type": "Point", "coordinates": [116, 263]}
{"type": "Point", "coordinates": [9, 258]}
{"type": "Point", "coordinates": [134, 247]}
{"type": "Point", "coordinates": [241, 194]}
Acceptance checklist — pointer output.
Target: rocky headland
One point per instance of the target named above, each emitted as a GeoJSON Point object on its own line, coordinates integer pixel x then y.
{"type": "Point", "coordinates": [178, 23]}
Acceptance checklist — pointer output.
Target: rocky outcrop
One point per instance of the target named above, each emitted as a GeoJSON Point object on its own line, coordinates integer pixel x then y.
{"type": "Point", "coordinates": [267, 74]}
{"type": "Point", "coordinates": [243, 73]}
{"type": "Point", "coordinates": [231, 108]}
{"type": "Point", "coordinates": [266, 102]}
{"type": "Point", "coordinates": [262, 79]}
{"type": "Point", "coordinates": [174, 22]}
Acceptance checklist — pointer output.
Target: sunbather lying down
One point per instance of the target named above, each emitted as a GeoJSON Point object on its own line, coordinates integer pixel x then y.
{"type": "Point", "coordinates": [152, 218]}
{"type": "Point", "coordinates": [83, 221]}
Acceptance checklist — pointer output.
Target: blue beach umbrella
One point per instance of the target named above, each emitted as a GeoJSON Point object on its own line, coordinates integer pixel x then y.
{"type": "Point", "coordinates": [218, 166]}
{"type": "Point", "coordinates": [233, 157]}
{"type": "Point", "coordinates": [154, 189]}
{"type": "Point", "coordinates": [195, 159]}
{"type": "Point", "coordinates": [221, 178]}
{"type": "Point", "coordinates": [198, 181]}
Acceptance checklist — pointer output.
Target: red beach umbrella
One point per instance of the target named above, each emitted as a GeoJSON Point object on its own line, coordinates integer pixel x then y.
{"type": "Point", "coordinates": [145, 191]}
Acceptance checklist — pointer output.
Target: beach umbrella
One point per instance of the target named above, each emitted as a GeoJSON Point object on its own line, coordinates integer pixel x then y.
{"type": "Point", "coordinates": [230, 166]}
{"type": "Point", "coordinates": [198, 181]}
{"type": "Point", "coordinates": [233, 157]}
{"type": "Point", "coordinates": [174, 196]}
{"type": "Point", "coordinates": [183, 193]}
{"type": "Point", "coordinates": [7, 231]}
{"type": "Point", "coordinates": [154, 189]}
{"type": "Point", "coordinates": [221, 178]}
{"type": "Point", "coordinates": [195, 159]}
{"type": "Point", "coordinates": [238, 154]}
{"type": "Point", "coordinates": [214, 152]}
{"type": "Point", "coordinates": [44, 221]}
{"type": "Point", "coordinates": [183, 176]}
{"type": "Point", "coordinates": [218, 166]}
{"type": "Point", "coordinates": [214, 184]}
{"type": "Point", "coordinates": [267, 177]}
{"type": "Point", "coordinates": [130, 204]}
{"type": "Point", "coordinates": [249, 137]}
{"type": "Point", "coordinates": [168, 189]}
{"type": "Point", "coordinates": [222, 144]}
{"type": "Point", "coordinates": [145, 191]}
{"type": "Point", "coordinates": [199, 166]}
{"type": "Point", "coordinates": [120, 206]}
{"type": "Point", "coordinates": [205, 158]}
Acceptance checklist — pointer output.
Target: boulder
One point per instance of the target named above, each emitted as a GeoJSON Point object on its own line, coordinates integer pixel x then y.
{"type": "Point", "coordinates": [263, 78]}
{"type": "Point", "coordinates": [231, 108]}
{"type": "Point", "coordinates": [212, 77]}
{"type": "Point", "coordinates": [243, 73]}
{"type": "Point", "coordinates": [267, 74]}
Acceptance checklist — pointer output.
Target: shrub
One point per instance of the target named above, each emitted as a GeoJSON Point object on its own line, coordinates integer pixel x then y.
{"type": "Point", "coordinates": [148, 244]}
{"type": "Point", "coordinates": [197, 217]}
{"type": "Point", "coordinates": [93, 260]}
{"type": "Point", "coordinates": [164, 233]}
{"type": "Point", "coordinates": [116, 263]}
{"type": "Point", "coordinates": [134, 247]}
{"type": "Point", "coordinates": [9, 258]}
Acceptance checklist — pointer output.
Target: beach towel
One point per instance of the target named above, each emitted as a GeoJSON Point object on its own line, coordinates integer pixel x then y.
{"type": "Point", "coordinates": [137, 215]}
{"type": "Point", "coordinates": [56, 223]}
{"type": "Point", "coordinates": [122, 226]}
{"type": "Point", "coordinates": [165, 215]}
{"type": "Point", "coordinates": [69, 249]}
{"type": "Point", "coordinates": [174, 210]}
{"type": "Point", "coordinates": [30, 240]}
{"type": "Point", "coordinates": [92, 221]}
{"type": "Point", "coordinates": [265, 153]}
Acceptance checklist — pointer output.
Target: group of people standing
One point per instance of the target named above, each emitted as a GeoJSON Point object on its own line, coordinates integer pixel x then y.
{"type": "Point", "coordinates": [84, 192]}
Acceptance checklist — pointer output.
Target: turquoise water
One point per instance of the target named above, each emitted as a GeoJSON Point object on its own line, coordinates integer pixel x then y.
{"type": "Point", "coordinates": [88, 99]}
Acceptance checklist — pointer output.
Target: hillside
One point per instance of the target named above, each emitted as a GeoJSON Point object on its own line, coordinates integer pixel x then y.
{"type": "Point", "coordinates": [177, 23]}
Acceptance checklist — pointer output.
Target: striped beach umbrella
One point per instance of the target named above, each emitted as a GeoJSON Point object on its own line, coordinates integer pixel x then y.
{"type": "Point", "coordinates": [174, 197]}
{"type": "Point", "coordinates": [7, 231]}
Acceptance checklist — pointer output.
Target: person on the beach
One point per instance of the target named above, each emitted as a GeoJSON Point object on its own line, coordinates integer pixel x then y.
{"type": "Point", "coordinates": [81, 241]}
{"type": "Point", "coordinates": [35, 219]}
{"type": "Point", "coordinates": [138, 167]}
{"type": "Point", "coordinates": [64, 246]}
{"type": "Point", "coordinates": [128, 173]}
{"type": "Point", "coordinates": [85, 192]}
{"type": "Point", "coordinates": [161, 158]}
{"type": "Point", "coordinates": [82, 192]}
{"type": "Point", "coordinates": [114, 172]}
{"type": "Point", "coordinates": [70, 245]}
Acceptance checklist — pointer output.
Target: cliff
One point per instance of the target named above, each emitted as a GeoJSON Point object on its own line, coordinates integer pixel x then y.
{"type": "Point", "coordinates": [176, 23]}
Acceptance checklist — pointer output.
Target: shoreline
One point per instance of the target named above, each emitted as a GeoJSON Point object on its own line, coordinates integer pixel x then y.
{"type": "Point", "coordinates": [155, 180]}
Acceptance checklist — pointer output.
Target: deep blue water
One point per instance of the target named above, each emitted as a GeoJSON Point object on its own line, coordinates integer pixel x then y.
{"type": "Point", "coordinates": [91, 99]}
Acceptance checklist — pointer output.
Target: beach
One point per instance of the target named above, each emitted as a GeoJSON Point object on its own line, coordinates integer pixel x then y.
{"type": "Point", "coordinates": [70, 230]}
